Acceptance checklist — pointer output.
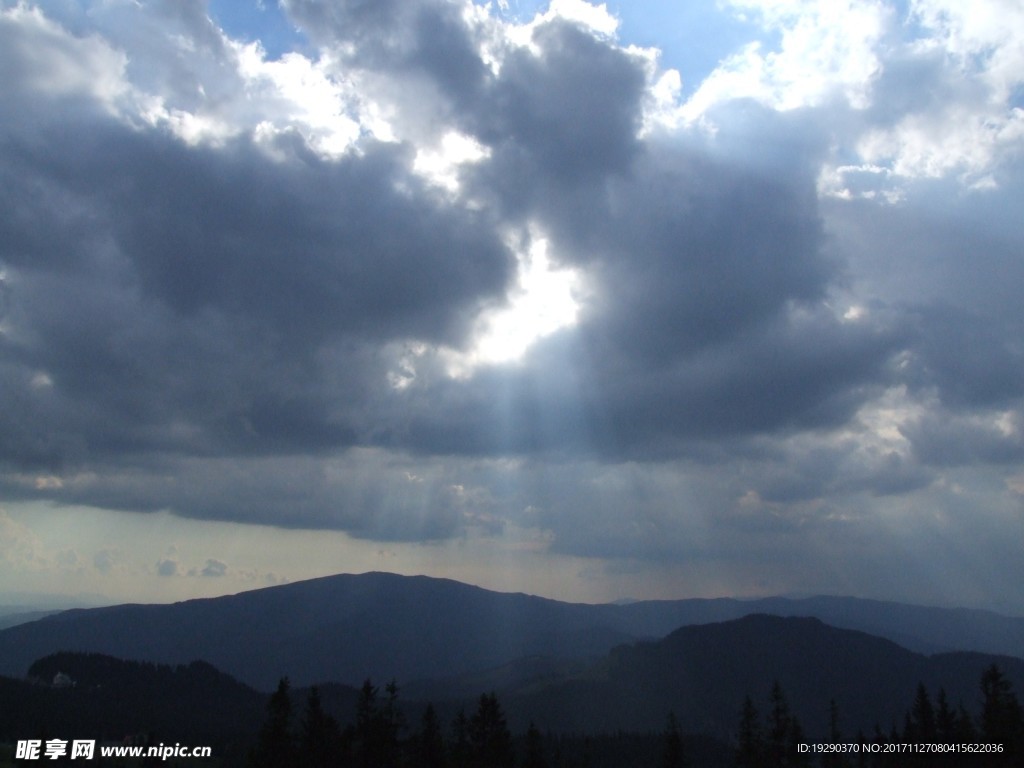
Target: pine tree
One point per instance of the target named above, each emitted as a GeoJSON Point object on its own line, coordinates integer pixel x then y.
{"type": "Point", "coordinates": [1001, 718]}
{"type": "Point", "coordinates": [392, 720]}
{"type": "Point", "coordinates": [879, 737]}
{"type": "Point", "coordinates": [835, 736]}
{"type": "Point", "coordinates": [489, 736]}
{"type": "Point", "coordinates": [945, 720]}
{"type": "Point", "coordinates": [922, 726]}
{"type": "Point", "coordinates": [429, 748]}
{"type": "Point", "coordinates": [966, 732]}
{"type": "Point", "coordinates": [276, 742]}
{"type": "Point", "coordinates": [672, 755]}
{"type": "Point", "coordinates": [780, 724]}
{"type": "Point", "coordinates": [377, 727]}
{"type": "Point", "coordinates": [366, 706]}
{"type": "Point", "coordinates": [319, 737]}
{"type": "Point", "coordinates": [1000, 710]}
{"type": "Point", "coordinates": [460, 746]}
{"type": "Point", "coordinates": [534, 748]}
{"type": "Point", "coordinates": [892, 758]}
{"type": "Point", "coordinates": [794, 757]}
{"type": "Point", "coordinates": [750, 745]}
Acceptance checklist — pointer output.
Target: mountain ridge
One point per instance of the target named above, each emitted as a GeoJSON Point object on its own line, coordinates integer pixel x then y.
{"type": "Point", "coordinates": [348, 627]}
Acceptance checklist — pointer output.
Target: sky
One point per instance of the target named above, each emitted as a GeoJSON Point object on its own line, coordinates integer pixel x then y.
{"type": "Point", "coordinates": [631, 300]}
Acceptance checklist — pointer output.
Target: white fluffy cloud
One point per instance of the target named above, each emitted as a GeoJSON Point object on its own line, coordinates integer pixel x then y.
{"type": "Point", "coordinates": [924, 92]}
{"type": "Point", "coordinates": [825, 50]}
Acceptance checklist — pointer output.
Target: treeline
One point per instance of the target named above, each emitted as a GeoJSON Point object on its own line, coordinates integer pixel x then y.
{"type": "Point", "coordinates": [343, 727]}
{"type": "Point", "coordinates": [378, 736]}
{"type": "Point", "coordinates": [933, 733]}
{"type": "Point", "coordinates": [381, 737]}
{"type": "Point", "coordinates": [109, 700]}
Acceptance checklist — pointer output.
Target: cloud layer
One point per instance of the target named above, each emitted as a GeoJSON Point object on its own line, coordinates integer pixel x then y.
{"type": "Point", "coordinates": [233, 285]}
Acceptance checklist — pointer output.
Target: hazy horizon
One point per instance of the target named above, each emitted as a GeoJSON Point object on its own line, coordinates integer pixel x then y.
{"type": "Point", "coordinates": [29, 602]}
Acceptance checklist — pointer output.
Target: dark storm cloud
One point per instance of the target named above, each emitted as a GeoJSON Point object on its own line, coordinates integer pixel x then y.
{"type": "Point", "coordinates": [692, 252]}
{"type": "Point", "coordinates": [972, 358]}
{"type": "Point", "coordinates": [706, 319]}
{"type": "Point", "coordinates": [567, 109]}
{"type": "Point", "coordinates": [574, 398]}
{"type": "Point", "coordinates": [829, 470]}
{"type": "Point", "coordinates": [311, 247]}
{"type": "Point", "coordinates": [951, 277]}
{"type": "Point", "coordinates": [176, 300]}
{"type": "Point", "coordinates": [426, 41]}
{"type": "Point", "coordinates": [569, 112]}
{"type": "Point", "coordinates": [165, 297]}
{"type": "Point", "coordinates": [951, 440]}
{"type": "Point", "coordinates": [366, 493]}
{"type": "Point", "coordinates": [209, 299]}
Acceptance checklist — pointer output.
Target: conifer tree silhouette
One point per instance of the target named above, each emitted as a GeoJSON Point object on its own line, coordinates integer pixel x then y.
{"type": "Point", "coordinates": [489, 737]}
{"type": "Point", "coordinates": [460, 747]}
{"type": "Point", "coordinates": [377, 729]}
{"type": "Point", "coordinates": [775, 745]}
{"type": "Point", "coordinates": [750, 746]}
{"type": "Point", "coordinates": [276, 742]}
{"type": "Point", "coordinates": [1001, 721]}
{"type": "Point", "coordinates": [319, 735]}
{"type": "Point", "coordinates": [945, 719]}
{"type": "Point", "coordinates": [534, 749]}
{"type": "Point", "coordinates": [428, 744]}
{"type": "Point", "coordinates": [835, 736]}
{"type": "Point", "coordinates": [922, 717]}
{"type": "Point", "coordinates": [672, 755]}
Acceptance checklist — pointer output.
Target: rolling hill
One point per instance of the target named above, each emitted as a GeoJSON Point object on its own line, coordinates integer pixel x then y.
{"type": "Point", "coordinates": [703, 672]}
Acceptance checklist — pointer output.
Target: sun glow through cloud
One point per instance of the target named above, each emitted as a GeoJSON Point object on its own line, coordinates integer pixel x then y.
{"type": "Point", "coordinates": [544, 300]}
{"type": "Point", "coordinates": [441, 165]}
